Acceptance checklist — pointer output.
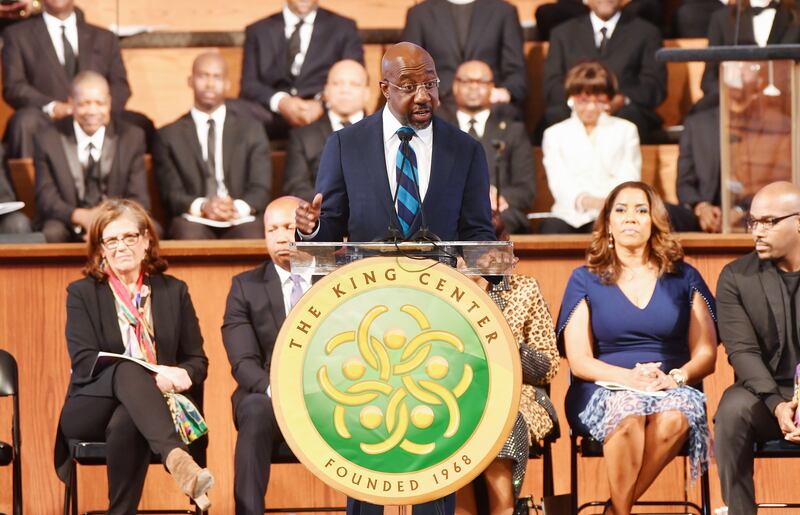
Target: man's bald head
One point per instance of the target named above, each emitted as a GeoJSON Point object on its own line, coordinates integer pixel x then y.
{"type": "Point", "coordinates": [209, 81]}
{"type": "Point", "coordinates": [91, 101]}
{"type": "Point", "coordinates": [346, 91]}
{"type": "Point", "coordinates": [777, 205]}
{"type": "Point", "coordinates": [279, 228]}
{"type": "Point", "coordinates": [406, 65]}
{"type": "Point", "coordinates": [472, 87]}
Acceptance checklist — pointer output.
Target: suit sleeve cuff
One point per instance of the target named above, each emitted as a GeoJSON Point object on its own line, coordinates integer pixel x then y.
{"type": "Point", "coordinates": [306, 237]}
{"type": "Point", "coordinates": [772, 400]}
{"type": "Point", "coordinates": [242, 207]}
{"type": "Point", "coordinates": [48, 108]}
{"type": "Point", "coordinates": [275, 100]}
{"type": "Point", "coordinates": [195, 209]}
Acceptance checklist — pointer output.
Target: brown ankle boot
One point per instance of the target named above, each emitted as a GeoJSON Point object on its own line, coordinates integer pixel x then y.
{"type": "Point", "coordinates": [191, 479]}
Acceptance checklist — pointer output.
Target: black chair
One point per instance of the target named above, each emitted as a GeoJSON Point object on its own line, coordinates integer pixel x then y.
{"type": "Point", "coordinates": [588, 447]}
{"type": "Point", "coordinates": [777, 449]}
{"type": "Point", "coordinates": [283, 455]}
{"type": "Point", "coordinates": [94, 454]}
{"type": "Point", "coordinates": [12, 454]}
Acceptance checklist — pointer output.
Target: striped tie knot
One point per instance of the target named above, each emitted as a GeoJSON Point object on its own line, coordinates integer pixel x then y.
{"type": "Point", "coordinates": [408, 132]}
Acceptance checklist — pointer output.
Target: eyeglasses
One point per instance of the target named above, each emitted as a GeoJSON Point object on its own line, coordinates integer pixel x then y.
{"type": "Point", "coordinates": [411, 89]}
{"type": "Point", "coordinates": [129, 240]}
{"type": "Point", "coordinates": [767, 223]}
{"type": "Point", "coordinates": [479, 83]}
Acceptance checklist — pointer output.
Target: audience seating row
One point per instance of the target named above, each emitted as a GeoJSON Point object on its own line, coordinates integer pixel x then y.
{"type": "Point", "coordinates": [659, 168]}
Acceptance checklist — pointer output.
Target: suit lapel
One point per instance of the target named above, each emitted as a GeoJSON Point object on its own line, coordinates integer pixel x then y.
{"type": "Point", "coordinates": [481, 13]}
{"type": "Point", "coordinates": [375, 168]}
{"type": "Point", "coordinates": [779, 25]}
{"type": "Point", "coordinates": [108, 318]}
{"type": "Point", "coordinates": [584, 39]}
{"type": "Point", "coordinates": [84, 47]}
{"type": "Point", "coordinates": [44, 42]}
{"type": "Point", "coordinates": [189, 136]}
{"type": "Point", "coordinates": [69, 145]}
{"type": "Point", "coordinates": [107, 155]}
{"type": "Point", "coordinates": [443, 19]}
{"type": "Point", "coordinates": [618, 37]}
{"type": "Point", "coordinates": [279, 44]}
{"type": "Point", "coordinates": [442, 161]}
{"type": "Point", "coordinates": [230, 135]}
{"type": "Point", "coordinates": [771, 284]}
{"type": "Point", "coordinates": [164, 315]}
{"type": "Point", "coordinates": [272, 285]}
{"type": "Point", "coordinates": [319, 37]}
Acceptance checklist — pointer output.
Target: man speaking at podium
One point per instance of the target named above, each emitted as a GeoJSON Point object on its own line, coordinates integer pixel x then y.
{"type": "Point", "coordinates": [373, 174]}
{"type": "Point", "coordinates": [403, 145]}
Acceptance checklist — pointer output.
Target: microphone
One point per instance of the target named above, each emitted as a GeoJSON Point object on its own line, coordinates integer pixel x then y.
{"type": "Point", "coordinates": [423, 234]}
{"type": "Point", "coordinates": [738, 22]}
{"type": "Point", "coordinates": [500, 149]}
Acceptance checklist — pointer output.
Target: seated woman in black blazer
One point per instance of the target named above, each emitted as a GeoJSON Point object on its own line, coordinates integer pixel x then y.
{"type": "Point", "coordinates": [126, 305]}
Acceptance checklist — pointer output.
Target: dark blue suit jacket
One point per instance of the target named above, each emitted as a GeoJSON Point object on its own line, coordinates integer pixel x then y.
{"type": "Point", "coordinates": [357, 199]}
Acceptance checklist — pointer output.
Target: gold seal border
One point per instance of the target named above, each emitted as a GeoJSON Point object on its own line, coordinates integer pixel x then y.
{"type": "Point", "coordinates": [326, 463]}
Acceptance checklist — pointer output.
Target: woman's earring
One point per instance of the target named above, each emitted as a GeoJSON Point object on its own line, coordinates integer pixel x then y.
{"type": "Point", "coordinates": [610, 241]}
{"type": "Point", "coordinates": [570, 103]}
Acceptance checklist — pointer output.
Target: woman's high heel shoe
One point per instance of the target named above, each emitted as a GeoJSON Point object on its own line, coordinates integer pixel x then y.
{"type": "Point", "coordinates": [192, 480]}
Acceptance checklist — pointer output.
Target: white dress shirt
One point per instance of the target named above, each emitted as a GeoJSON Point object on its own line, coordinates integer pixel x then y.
{"type": "Point", "coordinates": [421, 143]}
{"type": "Point", "coordinates": [290, 21]}
{"type": "Point", "coordinates": [598, 24]}
{"type": "Point", "coordinates": [578, 163]}
{"type": "Point", "coordinates": [480, 121]}
{"type": "Point", "coordinates": [336, 120]}
{"type": "Point", "coordinates": [286, 285]}
{"type": "Point", "coordinates": [84, 139]}
{"type": "Point", "coordinates": [461, 2]}
{"type": "Point", "coordinates": [762, 22]}
{"type": "Point", "coordinates": [201, 125]}
{"type": "Point", "coordinates": [53, 25]}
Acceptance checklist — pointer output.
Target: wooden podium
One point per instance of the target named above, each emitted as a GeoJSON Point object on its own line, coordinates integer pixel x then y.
{"type": "Point", "coordinates": [759, 99]}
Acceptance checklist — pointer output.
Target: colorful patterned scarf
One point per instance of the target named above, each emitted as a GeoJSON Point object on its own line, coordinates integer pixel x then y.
{"type": "Point", "coordinates": [189, 424]}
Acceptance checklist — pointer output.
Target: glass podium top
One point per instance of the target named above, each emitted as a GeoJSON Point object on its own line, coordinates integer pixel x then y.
{"type": "Point", "coordinates": [469, 257]}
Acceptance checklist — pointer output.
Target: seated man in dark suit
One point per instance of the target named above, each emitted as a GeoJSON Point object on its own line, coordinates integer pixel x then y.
{"type": "Point", "coordinates": [552, 14]}
{"type": "Point", "coordinates": [509, 153]}
{"type": "Point", "coordinates": [757, 301]}
{"type": "Point", "coordinates": [14, 222]}
{"type": "Point", "coordinates": [212, 162]}
{"type": "Point", "coordinates": [257, 305]}
{"type": "Point", "coordinates": [346, 94]}
{"type": "Point", "coordinates": [286, 59]}
{"type": "Point", "coordinates": [627, 46]}
{"type": "Point", "coordinates": [85, 158]}
{"type": "Point", "coordinates": [41, 56]}
{"type": "Point", "coordinates": [483, 30]}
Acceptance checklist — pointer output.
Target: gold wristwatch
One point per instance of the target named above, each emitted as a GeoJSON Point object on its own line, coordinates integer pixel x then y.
{"type": "Point", "coordinates": [679, 376]}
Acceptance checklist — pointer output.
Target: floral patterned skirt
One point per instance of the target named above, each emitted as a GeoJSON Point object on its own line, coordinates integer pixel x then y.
{"type": "Point", "coordinates": [607, 408]}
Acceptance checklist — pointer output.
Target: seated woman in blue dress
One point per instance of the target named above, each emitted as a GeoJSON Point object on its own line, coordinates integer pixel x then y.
{"type": "Point", "coordinates": [639, 316]}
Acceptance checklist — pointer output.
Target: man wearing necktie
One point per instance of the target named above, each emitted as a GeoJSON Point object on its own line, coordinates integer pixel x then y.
{"type": "Point", "coordinates": [286, 59]}
{"type": "Point", "coordinates": [345, 95]}
{"type": "Point", "coordinates": [41, 57]}
{"type": "Point", "coordinates": [508, 150]}
{"type": "Point", "coordinates": [623, 43]}
{"type": "Point", "coordinates": [213, 163]}
{"type": "Point", "coordinates": [257, 305]}
{"type": "Point", "coordinates": [361, 194]}
{"type": "Point", "coordinates": [85, 158]}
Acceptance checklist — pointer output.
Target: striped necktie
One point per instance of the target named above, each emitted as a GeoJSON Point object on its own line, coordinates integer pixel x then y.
{"type": "Point", "coordinates": [408, 202]}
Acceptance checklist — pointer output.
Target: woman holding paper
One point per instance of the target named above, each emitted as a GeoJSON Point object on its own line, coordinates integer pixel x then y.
{"type": "Point", "coordinates": [138, 401]}
{"type": "Point", "coordinates": [640, 317]}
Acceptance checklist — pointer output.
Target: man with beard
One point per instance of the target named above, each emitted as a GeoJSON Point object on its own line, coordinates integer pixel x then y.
{"type": "Point", "coordinates": [757, 303]}
{"type": "Point", "coordinates": [370, 186]}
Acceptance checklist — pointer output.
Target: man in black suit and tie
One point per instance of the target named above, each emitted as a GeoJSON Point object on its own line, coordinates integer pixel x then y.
{"type": "Point", "coordinates": [286, 59]}
{"type": "Point", "coordinates": [508, 150]}
{"type": "Point", "coordinates": [85, 158]}
{"type": "Point", "coordinates": [454, 31]}
{"type": "Point", "coordinates": [627, 46]}
{"type": "Point", "coordinates": [41, 56]}
{"type": "Point", "coordinates": [346, 94]}
{"type": "Point", "coordinates": [757, 304]}
{"type": "Point", "coordinates": [213, 163]}
{"type": "Point", "coordinates": [257, 305]}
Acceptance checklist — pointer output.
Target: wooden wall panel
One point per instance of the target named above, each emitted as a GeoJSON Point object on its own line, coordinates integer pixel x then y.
{"type": "Point", "coordinates": [32, 316]}
{"type": "Point", "coordinates": [233, 15]}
